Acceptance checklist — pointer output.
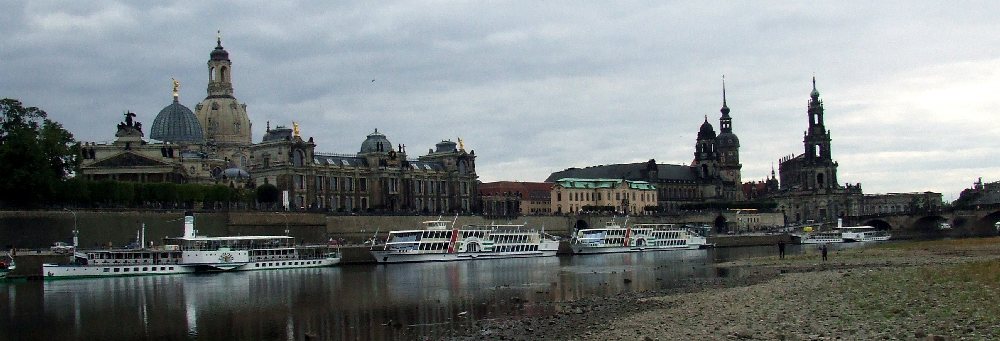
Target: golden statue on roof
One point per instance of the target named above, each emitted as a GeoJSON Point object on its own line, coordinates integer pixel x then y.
{"type": "Point", "coordinates": [295, 129]}
{"type": "Point", "coordinates": [461, 145]}
{"type": "Point", "coordinates": [177, 86]}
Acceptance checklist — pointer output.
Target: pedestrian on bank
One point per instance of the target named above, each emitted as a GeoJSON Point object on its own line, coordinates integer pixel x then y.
{"type": "Point", "coordinates": [781, 249]}
{"type": "Point", "coordinates": [823, 250]}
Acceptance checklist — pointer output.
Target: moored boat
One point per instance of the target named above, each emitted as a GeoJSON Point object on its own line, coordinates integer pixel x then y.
{"type": "Point", "coordinates": [863, 234]}
{"type": "Point", "coordinates": [637, 238]}
{"type": "Point", "coordinates": [191, 253]}
{"type": "Point", "coordinates": [7, 264]}
{"type": "Point", "coordinates": [440, 241]}
{"type": "Point", "coordinates": [823, 237]}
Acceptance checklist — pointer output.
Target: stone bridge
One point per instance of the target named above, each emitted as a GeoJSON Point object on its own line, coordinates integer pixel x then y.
{"type": "Point", "coordinates": [962, 222]}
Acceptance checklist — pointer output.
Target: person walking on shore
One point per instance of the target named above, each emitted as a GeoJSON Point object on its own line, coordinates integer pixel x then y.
{"type": "Point", "coordinates": [781, 249]}
{"type": "Point", "coordinates": [823, 250]}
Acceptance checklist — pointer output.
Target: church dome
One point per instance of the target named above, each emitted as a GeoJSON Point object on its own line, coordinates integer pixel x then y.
{"type": "Point", "coordinates": [177, 124]}
{"type": "Point", "coordinates": [727, 140]}
{"type": "Point", "coordinates": [706, 131]}
{"type": "Point", "coordinates": [376, 142]}
{"type": "Point", "coordinates": [234, 173]}
{"type": "Point", "coordinates": [219, 53]}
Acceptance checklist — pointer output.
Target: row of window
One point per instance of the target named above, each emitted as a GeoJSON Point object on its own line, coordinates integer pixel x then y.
{"type": "Point", "coordinates": [274, 264]}
{"type": "Point", "coordinates": [348, 203]}
{"type": "Point", "coordinates": [136, 269]}
{"type": "Point", "coordinates": [515, 248]}
{"type": "Point", "coordinates": [588, 196]}
{"type": "Point", "coordinates": [348, 184]}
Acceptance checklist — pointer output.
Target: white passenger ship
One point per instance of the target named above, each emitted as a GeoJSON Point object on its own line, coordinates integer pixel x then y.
{"type": "Point", "coordinates": [823, 237]}
{"type": "Point", "coordinates": [437, 242]}
{"type": "Point", "coordinates": [637, 238]}
{"type": "Point", "coordinates": [192, 253]}
{"type": "Point", "coordinates": [863, 234]}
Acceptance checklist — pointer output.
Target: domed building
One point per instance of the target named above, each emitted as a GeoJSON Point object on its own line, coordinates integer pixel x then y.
{"type": "Point", "coordinates": [177, 124]}
{"type": "Point", "coordinates": [376, 142]}
{"type": "Point", "coordinates": [225, 124]}
{"type": "Point", "coordinates": [379, 177]}
{"type": "Point", "coordinates": [213, 145]}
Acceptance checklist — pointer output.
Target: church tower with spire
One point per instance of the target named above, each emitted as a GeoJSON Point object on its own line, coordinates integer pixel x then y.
{"type": "Point", "coordinates": [809, 189]}
{"type": "Point", "coordinates": [820, 169]}
{"type": "Point", "coordinates": [728, 148]}
{"type": "Point", "coordinates": [224, 120]}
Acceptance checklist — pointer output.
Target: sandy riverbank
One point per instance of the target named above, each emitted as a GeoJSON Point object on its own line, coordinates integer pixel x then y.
{"type": "Point", "coordinates": [945, 289]}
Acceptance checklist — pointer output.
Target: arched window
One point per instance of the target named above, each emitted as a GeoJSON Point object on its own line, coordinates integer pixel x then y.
{"type": "Point", "coordinates": [211, 74]}
{"type": "Point", "coordinates": [819, 180]}
{"type": "Point", "coordinates": [223, 77]}
{"type": "Point", "coordinates": [704, 170]}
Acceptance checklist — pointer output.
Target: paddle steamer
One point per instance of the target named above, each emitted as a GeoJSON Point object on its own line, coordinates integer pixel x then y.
{"type": "Point", "coordinates": [192, 253]}
{"type": "Point", "coordinates": [439, 240]}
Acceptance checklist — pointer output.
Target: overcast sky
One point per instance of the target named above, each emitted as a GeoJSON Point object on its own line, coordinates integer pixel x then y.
{"type": "Point", "coordinates": [910, 88]}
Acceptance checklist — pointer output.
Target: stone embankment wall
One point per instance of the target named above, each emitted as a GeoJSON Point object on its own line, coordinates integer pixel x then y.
{"type": "Point", "coordinates": [39, 229]}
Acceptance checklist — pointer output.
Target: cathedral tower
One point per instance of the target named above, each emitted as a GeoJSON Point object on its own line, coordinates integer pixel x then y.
{"type": "Point", "coordinates": [728, 147]}
{"type": "Point", "coordinates": [224, 120]}
{"type": "Point", "coordinates": [820, 171]}
{"type": "Point", "coordinates": [705, 156]}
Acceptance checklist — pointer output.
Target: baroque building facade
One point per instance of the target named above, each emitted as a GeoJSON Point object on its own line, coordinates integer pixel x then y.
{"type": "Point", "coordinates": [572, 195]}
{"type": "Point", "coordinates": [214, 144]}
{"type": "Point", "coordinates": [714, 174]}
{"type": "Point", "coordinates": [379, 177]}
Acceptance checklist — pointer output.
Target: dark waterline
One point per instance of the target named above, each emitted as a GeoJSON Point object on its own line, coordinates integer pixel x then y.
{"type": "Point", "coordinates": [365, 302]}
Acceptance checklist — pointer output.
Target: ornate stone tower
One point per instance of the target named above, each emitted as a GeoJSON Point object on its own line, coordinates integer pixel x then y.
{"type": "Point", "coordinates": [224, 120]}
{"type": "Point", "coordinates": [728, 148]}
{"type": "Point", "coordinates": [706, 159]}
{"type": "Point", "coordinates": [819, 169]}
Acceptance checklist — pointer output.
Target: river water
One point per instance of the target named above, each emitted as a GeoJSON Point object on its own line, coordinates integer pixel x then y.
{"type": "Point", "coordinates": [355, 302]}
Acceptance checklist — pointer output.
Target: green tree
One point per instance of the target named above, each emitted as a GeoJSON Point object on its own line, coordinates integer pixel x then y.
{"type": "Point", "coordinates": [36, 154]}
{"type": "Point", "coordinates": [268, 194]}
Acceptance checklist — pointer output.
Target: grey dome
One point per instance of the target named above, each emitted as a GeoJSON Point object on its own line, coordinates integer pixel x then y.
{"type": "Point", "coordinates": [376, 143]}
{"type": "Point", "coordinates": [219, 53]}
{"type": "Point", "coordinates": [727, 140]}
{"type": "Point", "coordinates": [177, 124]}
{"type": "Point", "coordinates": [234, 173]}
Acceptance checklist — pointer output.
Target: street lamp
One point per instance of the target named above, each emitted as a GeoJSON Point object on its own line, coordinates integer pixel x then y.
{"type": "Point", "coordinates": [76, 231]}
{"type": "Point", "coordinates": [286, 222]}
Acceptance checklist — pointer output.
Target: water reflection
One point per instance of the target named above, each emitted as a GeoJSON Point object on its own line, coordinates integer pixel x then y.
{"type": "Point", "coordinates": [365, 302]}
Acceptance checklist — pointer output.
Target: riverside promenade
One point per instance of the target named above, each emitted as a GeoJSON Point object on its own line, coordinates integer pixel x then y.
{"type": "Point", "coordinates": [913, 290]}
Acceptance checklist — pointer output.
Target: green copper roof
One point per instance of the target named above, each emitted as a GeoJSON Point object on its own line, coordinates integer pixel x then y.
{"type": "Point", "coordinates": [603, 183]}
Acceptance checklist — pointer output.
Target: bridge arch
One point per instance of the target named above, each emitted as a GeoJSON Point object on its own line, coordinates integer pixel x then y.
{"type": "Point", "coordinates": [580, 224]}
{"type": "Point", "coordinates": [987, 225]}
{"type": "Point", "coordinates": [878, 224]}
{"type": "Point", "coordinates": [929, 224]}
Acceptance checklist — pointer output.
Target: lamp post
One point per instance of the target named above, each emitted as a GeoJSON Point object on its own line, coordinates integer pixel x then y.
{"type": "Point", "coordinates": [286, 222]}
{"type": "Point", "coordinates": [76, 231]}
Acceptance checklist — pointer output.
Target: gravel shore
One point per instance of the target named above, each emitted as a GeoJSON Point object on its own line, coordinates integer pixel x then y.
{"type": "Point", "coordinates": [931, 290]}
